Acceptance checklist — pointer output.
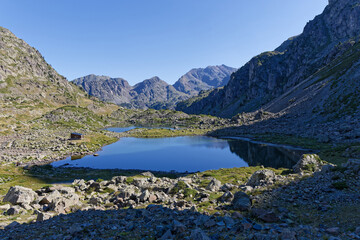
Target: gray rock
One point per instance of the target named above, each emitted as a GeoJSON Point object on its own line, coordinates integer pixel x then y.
{"type": "Point", "coordinates": [261, 177]}
{"type": "Point", "coordinates": [308, 162]}
{"type": "Point", "coordinates": [43, 216]}
{"type": "Point", "coordinates": [227, 187]}
{"type": "Point", "coordinates": [226, 197]}
{"type": "Point", "coordinates": [148, 174]}
{"type": "Point", "coordinates": [52, 197]}
{"type": "Point", "coordinates": [214, 185]}
{"type": "Point", "coordinates": [66, 190]}
{"type": "Point", "coordinates": [198, 234]}
{"type": "Point", "coordinates": [19, 195]}
{"type": "Point", "coordinates": [241, 201]}
{"type": "Point", "coordinates": [144, 196]}
{"type": "Point", "coordinates": [14, 210]}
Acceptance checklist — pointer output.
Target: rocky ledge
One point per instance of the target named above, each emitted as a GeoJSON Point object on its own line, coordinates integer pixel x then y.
{"type": "Point", "coordinates": [266, 207]}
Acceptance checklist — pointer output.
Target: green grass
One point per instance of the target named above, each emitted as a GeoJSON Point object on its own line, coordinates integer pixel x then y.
{"type": "Point", "coordinates": [159, 133]}
{"type": "Point", "coordinates": [326, 151]}
{"type": "Point", "coordinates": [235, 175]}
{"type": "Point", "coordinates": [20, 177]}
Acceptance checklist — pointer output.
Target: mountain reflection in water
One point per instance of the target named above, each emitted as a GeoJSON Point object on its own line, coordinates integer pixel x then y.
{"type": "Point", "coordinates": [196, 153]}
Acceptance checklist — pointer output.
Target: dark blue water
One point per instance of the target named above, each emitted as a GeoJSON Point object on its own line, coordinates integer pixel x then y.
{"type": "Point", "coordinates": [183, 154]}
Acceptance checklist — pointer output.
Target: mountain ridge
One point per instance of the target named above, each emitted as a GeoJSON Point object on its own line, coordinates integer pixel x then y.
{"type": "Point", "coordinates": [271, 74]}
{"type": "Point", "coordinates": [154, 92]}
{"type": "Point", "coordinates": [30, 87]}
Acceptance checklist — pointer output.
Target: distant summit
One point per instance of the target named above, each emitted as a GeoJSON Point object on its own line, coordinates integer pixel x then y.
{"type": "Point", "coordinates": [199, 79]}
{"type": "Point", "coordinates": [154, 92]}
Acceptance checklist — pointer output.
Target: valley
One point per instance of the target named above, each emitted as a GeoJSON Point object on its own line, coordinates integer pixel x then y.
{"type": "Point", "coordinates": [268, 151]}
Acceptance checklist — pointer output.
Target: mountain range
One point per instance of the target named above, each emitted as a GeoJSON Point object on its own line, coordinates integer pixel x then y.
{"type": "Point", "coordinates": [154, 92]}
{"type": "Point", "coordinates": [314, 74]}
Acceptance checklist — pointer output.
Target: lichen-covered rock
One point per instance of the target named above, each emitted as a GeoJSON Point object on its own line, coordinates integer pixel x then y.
{"type": "Point", "coordinates": [20, 195]}
{"type": "Point", "coordinates": [309, 163]}
{"type": "Point", "coordinates": [261, 177]}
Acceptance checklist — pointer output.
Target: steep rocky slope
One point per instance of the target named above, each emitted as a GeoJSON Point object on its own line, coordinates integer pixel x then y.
{"type": "Point", "coordinates": [326, 39]}
{"type": "Point", "coordinates": [115, 90]}
{"type": "Point", "coordinates": [154, 92]}
{"type": "Point", "coordinates": [200, 79]}
{"type": "Point", "coordinates": [29, 86]}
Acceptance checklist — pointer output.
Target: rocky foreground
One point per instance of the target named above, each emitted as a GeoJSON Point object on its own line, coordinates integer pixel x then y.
{"type": "Point", "coordinates": [266, 206]}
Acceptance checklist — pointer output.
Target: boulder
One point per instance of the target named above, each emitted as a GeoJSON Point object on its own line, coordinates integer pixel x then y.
{"type": "Point", "coordinates": [261, 178]}
{"type": "Point", "coordinates": [148, 174]}
{"type": "Point", "coordinates": [95, 201]}
{"type": "Point", "coordinates": [226, 197]}
{"type": "Point", "coordinates": [309, 163]}
{"type": "Point", "coordinates": [241, 201]}
{"type": "Point", "coordinates": [198, 234]}
{"type": "Point", "coordinates": [142, 183]}
{"type": "Point", "coordinates": [152, 198]}
{"type": "Point", "coordinates": [126, 193]}
{"type": "Point", "coordinates": [214, 185]}
{"type": "Point", "coordinates": [43, 216]}
{"type": "Point", "coordinates": [79, 184]}
{"type": "Point", "coordinates": [227, 187]}
{"type": "Point", "coordinates": [19, 195]}
{"type": "Point", "coordinates": [119, 179]}
{"type": "Point", "coordinates": [264, 215]}
{"type": "Point", "coordinates": [66, 190]}
{"type": "Point", "coordinates": [144, 196]}
{"type": "Point", "coordinates": [52, 197]}
{"type": "Point", "coordinates": [14, 210]}
{"type": "Point", "coordinates": [63, 204]}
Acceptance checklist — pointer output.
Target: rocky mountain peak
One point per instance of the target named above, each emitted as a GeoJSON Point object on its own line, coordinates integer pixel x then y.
{"type": "Point", "coordinates": [270, 74]}
{"type": "Point", "coordinates": [154, 92]}
{"type": "Point", "coordinates": [199, 79]}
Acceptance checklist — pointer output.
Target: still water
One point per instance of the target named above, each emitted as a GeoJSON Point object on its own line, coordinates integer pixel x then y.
{"type": "Point", "coordinates": [195, 153]}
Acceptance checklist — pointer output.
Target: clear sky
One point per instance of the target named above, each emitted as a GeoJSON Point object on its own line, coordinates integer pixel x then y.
{"type": "Point", "coordinates": [139, 39]}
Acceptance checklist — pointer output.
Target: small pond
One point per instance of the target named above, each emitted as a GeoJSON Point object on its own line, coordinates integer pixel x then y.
{"type": "Point", "coordinates": [190, 153]}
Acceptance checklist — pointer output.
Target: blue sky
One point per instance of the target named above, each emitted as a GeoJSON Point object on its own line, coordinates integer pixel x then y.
{"type": "Point", "coordinates": [138, 39]}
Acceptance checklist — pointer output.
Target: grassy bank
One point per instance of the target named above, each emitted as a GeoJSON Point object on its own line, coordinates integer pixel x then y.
{"type": "Point", "coordinates": [159, 133]}
{"type": "Point", "coordinates": [329, 152]}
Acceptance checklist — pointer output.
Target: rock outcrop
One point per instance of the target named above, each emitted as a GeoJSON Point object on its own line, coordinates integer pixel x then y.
{"type": "Point", "coordinates": [323, 59]}
{"type": "Point", "coordinates": [20, 195]}
{"type": "Point", "coordinates": [200, 79]}
{"type": "Point", "coordinates": [30, 87]}
{"type": "Point", "coordinates": [309, 163]}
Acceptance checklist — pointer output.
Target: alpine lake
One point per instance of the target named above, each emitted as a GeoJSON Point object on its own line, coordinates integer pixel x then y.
{"type": "Point", "coordinates": [185, 154]}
